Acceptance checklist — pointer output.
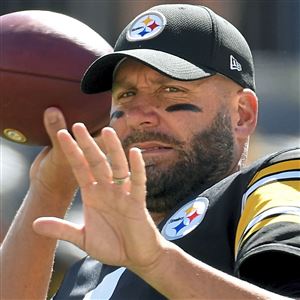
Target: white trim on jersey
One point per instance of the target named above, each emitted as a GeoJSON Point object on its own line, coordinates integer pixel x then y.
{"type": "Point", "coordinates": [268, 179]}
{"type": "Point", "coordinates": [279, 210]}
{"type": "Point", "coordinates": [107, 286]}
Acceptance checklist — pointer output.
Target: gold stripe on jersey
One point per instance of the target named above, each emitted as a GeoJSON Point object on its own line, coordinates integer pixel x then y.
{"type": "Point", "coordinates": [275, 219]}
{"type": "Point", "coordinates": [267, 196]}
{"type": "Point", "coordinates": [288, 165]}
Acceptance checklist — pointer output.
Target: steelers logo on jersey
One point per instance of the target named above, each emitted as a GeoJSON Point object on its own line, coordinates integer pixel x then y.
{"type": "Point", "coordinates": [186, 219]}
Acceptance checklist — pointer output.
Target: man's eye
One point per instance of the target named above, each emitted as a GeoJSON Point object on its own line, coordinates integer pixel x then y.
{"type": "Point", "coordinates": [126, 95]}
{"type": "Point", "coordinates": [172, 89]}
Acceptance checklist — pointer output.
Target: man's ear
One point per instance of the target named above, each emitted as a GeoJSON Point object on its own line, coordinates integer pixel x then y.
{"type": "Point", "coordinates": [247, 113]}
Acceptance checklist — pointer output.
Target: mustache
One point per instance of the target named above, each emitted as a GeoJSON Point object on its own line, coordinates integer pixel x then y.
{"type": "Point", "coordinates": [138, 136]}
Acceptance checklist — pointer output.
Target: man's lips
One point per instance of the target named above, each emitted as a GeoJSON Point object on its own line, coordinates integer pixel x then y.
{"type": "Point", "coordinates": [152, 147]}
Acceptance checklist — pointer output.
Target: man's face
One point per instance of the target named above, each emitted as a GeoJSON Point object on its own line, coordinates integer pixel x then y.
{"type": "Point", "coordinates": [184, 130]}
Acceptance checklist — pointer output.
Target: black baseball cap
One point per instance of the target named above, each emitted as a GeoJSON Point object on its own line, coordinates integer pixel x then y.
{"type": "Point", "coordinates": [182, 41]}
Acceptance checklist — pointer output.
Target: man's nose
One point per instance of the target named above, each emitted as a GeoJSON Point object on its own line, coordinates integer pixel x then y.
{"type": "Point", "coordinates": [142, 115]}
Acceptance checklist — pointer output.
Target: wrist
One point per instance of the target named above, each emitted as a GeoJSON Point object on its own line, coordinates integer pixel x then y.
{"type": "Point", "coordinates": [53, 199]}
{"type": "Point", "coordinates": [160, 263]}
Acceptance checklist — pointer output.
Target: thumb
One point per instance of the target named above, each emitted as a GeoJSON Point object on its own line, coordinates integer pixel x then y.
{"type": "Point", "coordinates": [60, 229]}
{"type": "Point", "coordinates": [54, 121]}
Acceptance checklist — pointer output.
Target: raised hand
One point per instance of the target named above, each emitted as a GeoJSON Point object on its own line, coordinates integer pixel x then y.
{"type": "Point", "coordinates": [48, 194]}
{"type": "Point", "coordinates": [118, 229]}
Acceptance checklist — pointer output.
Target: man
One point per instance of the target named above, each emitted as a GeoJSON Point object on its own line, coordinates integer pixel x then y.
{"type": "Point", "coordinates": [169, 210]}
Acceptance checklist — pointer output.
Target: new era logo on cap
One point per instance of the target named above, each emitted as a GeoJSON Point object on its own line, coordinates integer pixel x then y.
{"type": "Point", "coordinates": [234, 64]}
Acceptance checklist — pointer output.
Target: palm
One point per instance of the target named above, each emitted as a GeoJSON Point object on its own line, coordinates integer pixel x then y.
{"type": "Point", "coordinates": [118, 229]}
{"type": "Point", "coordinates": [114, 226]}
{"type": "Point", "coordinates": [102, 240]}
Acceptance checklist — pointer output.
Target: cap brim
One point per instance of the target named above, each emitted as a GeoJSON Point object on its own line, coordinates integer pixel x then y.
{"type": "Point", "coordinates": [98, 77]}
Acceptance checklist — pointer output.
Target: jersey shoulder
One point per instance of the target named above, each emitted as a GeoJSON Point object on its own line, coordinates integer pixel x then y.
{"type": "Point", "coordinates": [268, 231]}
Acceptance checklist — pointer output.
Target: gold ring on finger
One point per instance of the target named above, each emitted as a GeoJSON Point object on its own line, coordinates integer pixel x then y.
{"type": "Point", "coordinates": [120, 181]}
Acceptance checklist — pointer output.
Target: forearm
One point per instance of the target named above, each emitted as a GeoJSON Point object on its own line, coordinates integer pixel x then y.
{"type": "Point", "coordinates": [178, 275]}
{"type": "Point", "coordinates": [26, 257]}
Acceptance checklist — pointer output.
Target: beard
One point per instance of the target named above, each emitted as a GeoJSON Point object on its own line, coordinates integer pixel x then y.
{"type": "Point", "coordinates": [207, 159]}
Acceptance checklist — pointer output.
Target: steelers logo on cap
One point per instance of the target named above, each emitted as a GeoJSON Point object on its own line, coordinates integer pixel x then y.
{"type": "Point", "coordinates": [146, 26]}
{"type": "Point", "coordinates": [186, 219]}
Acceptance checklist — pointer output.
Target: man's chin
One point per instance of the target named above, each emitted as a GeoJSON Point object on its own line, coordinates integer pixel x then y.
{"type": "Point", "coordinates": [161, 164]}
{"type": "Point", "coordinates": [155, 171]}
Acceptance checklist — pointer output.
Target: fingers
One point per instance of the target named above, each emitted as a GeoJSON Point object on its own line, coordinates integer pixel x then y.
{"type": "Point", "coordinates": [95, 157]}
{"type": "Point", "coordinates": [90, 165]}
{"type": "Point", "coordinates": [118, 160]}
{"type": "Point", "coordinates": [88, 162]}
{"type": "Point", "coordinates": [119, 164]}
{"type": "Point", "coordinates": [138, 175]}
{"type": "Point", "coordinates": [59, 229]}
{"type": "Point", "coordinates": [76, 159]}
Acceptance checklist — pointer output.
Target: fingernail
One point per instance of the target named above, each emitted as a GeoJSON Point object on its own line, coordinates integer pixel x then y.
{"type": "Point", "coordinates": [52, 116]}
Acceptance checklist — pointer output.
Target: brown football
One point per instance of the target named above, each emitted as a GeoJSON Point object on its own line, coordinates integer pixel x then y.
{"type": "Point", "coordinates": [42, 60]}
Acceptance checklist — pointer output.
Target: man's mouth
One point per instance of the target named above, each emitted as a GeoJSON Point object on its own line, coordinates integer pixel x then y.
{"type": "Point", "coordinates": [153, 148]}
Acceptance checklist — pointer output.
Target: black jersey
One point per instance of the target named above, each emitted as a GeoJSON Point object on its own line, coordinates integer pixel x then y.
{"type": "Point", "coordinates": [247, 225]}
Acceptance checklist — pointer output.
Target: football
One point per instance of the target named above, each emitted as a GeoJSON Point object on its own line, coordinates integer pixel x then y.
{"type": "Point", "coordinates": [44, 55]}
